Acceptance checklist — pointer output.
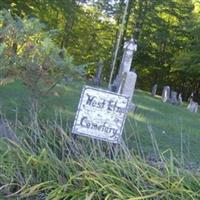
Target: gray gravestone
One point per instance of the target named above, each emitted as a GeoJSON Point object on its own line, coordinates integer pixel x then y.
{"type": "Point", "coordinates": [180, 99]}
{"type": "Point", "coordinates": [193, 106]}
{"type": "Point", "coordinates": [129, 48]}
{"type": "Point", "coordinates": [97, 78]}
{"type": "Point", "coordinates": [127, 86]}
{"type": "Point", "coordinates": [154, 89]}
{"type": "Point", "coordinates": [166, 94]}
{"type": "Point", "coordinates": [196, 108]}
{"type": "Point", "coordinates": [173, 98]}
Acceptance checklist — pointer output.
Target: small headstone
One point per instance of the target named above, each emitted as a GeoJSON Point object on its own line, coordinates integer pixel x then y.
{"type": "Point", "coordinates": [97, 78]}
{"type": "Point", "coordinates": [173, 98]}
{"type": "Point", "coordinates": [114, 87]}
{"type": "Point", "coordinates": [180, 99]}
{"type": "Point", "coordinates": [196, 108]}
{"type": "Point", "coordinates": [166, 94]}
{"type": "Point", "coordinates": [116, 83]}
{"type": "Point", "coordinates": [193, 106]}
{"type": "Point", "coordinates": [154, 89]}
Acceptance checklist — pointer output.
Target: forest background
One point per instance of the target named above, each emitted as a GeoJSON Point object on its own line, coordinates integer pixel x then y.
{"type": "Point", "coordinates": [167, 34]}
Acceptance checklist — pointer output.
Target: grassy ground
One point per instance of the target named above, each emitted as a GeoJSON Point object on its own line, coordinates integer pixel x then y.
{"type": "Point", "coordinates": [173, 127]}
{"type": "Point", "coordinates": [49, 163]}
{"type": "Point", "coordinates": [155, 125]}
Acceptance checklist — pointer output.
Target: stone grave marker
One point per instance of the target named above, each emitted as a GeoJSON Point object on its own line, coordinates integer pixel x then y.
{"type": "Point", "coordinates": [173, 98]}
{"type": "Point", "coordinates": [196, 108]}
{"type": "Point", "coordinates": [154, 89]}
{"type": "Point", "coordinates": [166, 94]}
{"type": "Point", "coordinates": [127, 86]}
{"type": "Point", "coordinates": [193, 106]}
{"type": "Point", "coordinates": [129, 48]}
{"type": "Point", "coordinates": [101, 114]}
{"type": "Point", "coordinates": [180, 99]}
{"type": "Point", "coordinates": [97, 78]}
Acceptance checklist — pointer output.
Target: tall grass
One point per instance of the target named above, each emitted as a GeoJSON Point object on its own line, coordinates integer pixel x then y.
{"type": "Point", "coordinates": [50, 163]}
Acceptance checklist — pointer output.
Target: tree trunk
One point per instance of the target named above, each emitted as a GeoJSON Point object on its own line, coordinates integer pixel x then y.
{"type": "Point", "coordinates": [116, 59]}
{"type": "Point", "coordinates": [68, 28]}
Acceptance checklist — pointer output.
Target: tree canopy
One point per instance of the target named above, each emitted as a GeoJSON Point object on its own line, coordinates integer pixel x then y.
{"type": "Point", "coordinates": [167, 33]}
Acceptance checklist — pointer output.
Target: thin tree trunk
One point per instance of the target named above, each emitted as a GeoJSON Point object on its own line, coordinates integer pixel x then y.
{"type": "Point", "coordinates": [68, 28]}
{"type": "Point", "coordinates": [139, 19]}
{"type": "Point", "coordinates": [119, 39]}
{"type": "Point", "coordinates": [124, 34]}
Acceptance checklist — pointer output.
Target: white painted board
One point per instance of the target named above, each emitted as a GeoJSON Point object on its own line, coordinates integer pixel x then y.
{"type": "Point", "coordinates": [101, 114]}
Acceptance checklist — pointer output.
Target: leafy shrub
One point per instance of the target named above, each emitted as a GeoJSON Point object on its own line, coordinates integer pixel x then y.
{"type": "Point", "coordinates": [28, 52]}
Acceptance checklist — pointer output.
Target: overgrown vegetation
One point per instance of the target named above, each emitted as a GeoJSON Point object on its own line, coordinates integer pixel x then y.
{"type": "Point", "coordinates": [28, 53]}
{"type": "Point", "coordinates": [51, 164]}
{"type": "Point", "coordinates": [172, 127]}
{"type": "Point", "coordinates": [167, 33]}
{"type": "Point", "coordinates": [47, 161]}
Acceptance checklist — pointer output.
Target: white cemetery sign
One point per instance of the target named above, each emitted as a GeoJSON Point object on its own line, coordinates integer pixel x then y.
{"type": "Point", "coordinates": [101, 114]}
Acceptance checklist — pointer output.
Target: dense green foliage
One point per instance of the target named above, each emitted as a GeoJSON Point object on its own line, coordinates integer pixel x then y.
{"type": "Point", "coordinates": [38, 39]}
{"type": "Point", "coordinates": [167, 33]}
{"type": "Point", "coordinates": [29, 53]}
